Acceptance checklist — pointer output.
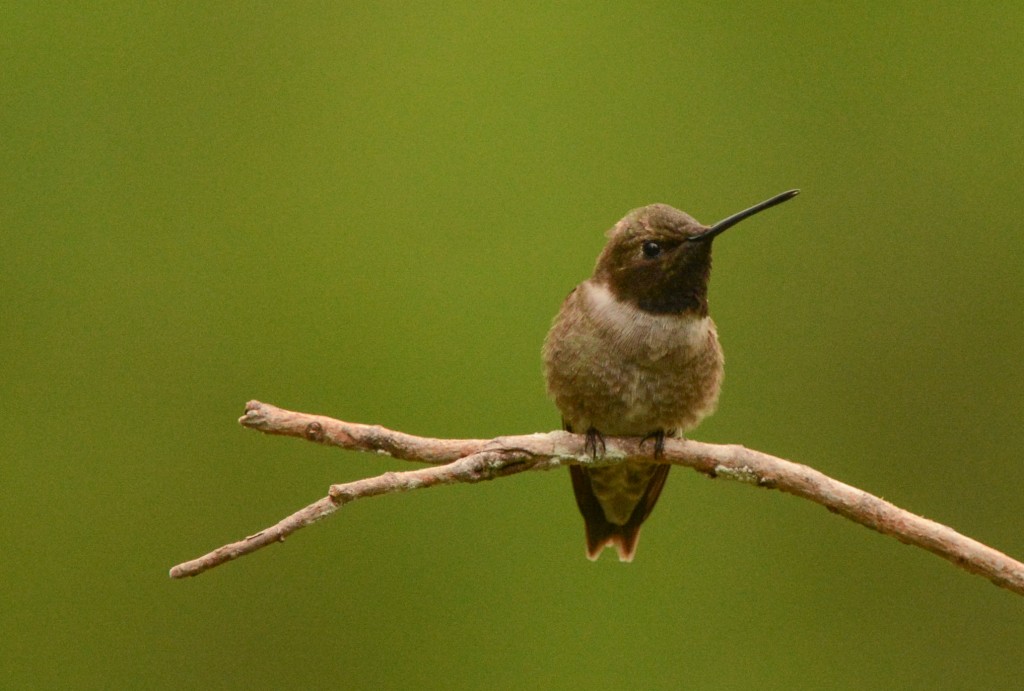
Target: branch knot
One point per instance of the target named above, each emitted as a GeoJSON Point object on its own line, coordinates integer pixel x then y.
{"type": "Point", "coordinates": [315, 432]}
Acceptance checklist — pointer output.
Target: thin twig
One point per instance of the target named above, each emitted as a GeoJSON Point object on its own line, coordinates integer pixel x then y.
{"type": "Point", "coordinates": [475, 460]}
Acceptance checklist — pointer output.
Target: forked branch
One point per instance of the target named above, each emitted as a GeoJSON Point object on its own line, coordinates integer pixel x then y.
{"type": "Point", "coordinates": [474, 460]}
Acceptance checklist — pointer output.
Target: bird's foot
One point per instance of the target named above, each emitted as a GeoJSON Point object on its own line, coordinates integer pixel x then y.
{"type": "Point", "coordinates": [659, 443]}
{"type": "Point", "coordinates": [594, 439]}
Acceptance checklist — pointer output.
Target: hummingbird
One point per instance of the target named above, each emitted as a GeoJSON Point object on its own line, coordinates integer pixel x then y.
{"type": "Point", "coordinates": [633, 352]}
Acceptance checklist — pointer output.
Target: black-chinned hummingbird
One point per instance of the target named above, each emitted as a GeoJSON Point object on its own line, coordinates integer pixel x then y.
{"type": "Point", "coordinates": [633, 352]}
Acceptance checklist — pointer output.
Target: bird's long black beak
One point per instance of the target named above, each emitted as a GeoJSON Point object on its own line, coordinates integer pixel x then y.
{"type": "Point", "coordinates": [727, 223]}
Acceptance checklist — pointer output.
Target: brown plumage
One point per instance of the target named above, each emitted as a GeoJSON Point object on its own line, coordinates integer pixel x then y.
{"type": "Point", "coordinates": [633, 352]}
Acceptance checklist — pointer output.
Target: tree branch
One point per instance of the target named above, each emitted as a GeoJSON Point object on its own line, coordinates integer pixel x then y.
{"type": "Point", "coordinates": [475, 460]}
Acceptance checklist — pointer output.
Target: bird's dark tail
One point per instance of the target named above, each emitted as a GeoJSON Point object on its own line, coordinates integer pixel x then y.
{"type": "Point", "coordinates": [603, 533]}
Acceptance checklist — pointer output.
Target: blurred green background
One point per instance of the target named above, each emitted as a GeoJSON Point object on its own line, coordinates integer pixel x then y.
{"type": "Point", "coordinates": [374, 211]}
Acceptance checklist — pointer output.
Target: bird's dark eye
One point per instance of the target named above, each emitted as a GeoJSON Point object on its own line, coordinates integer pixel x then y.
{"type": "Point", "coordinates": [651, 249]}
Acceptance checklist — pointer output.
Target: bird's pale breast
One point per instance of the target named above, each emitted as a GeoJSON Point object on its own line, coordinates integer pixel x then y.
{"type": "Point", "coordinates": [624, 371]}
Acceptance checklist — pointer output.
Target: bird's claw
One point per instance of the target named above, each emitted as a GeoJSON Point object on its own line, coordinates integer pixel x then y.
{"type": "Point", "coordinates": [659, 443]}
{"type": "Point", "coordinates": [594, 439]}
